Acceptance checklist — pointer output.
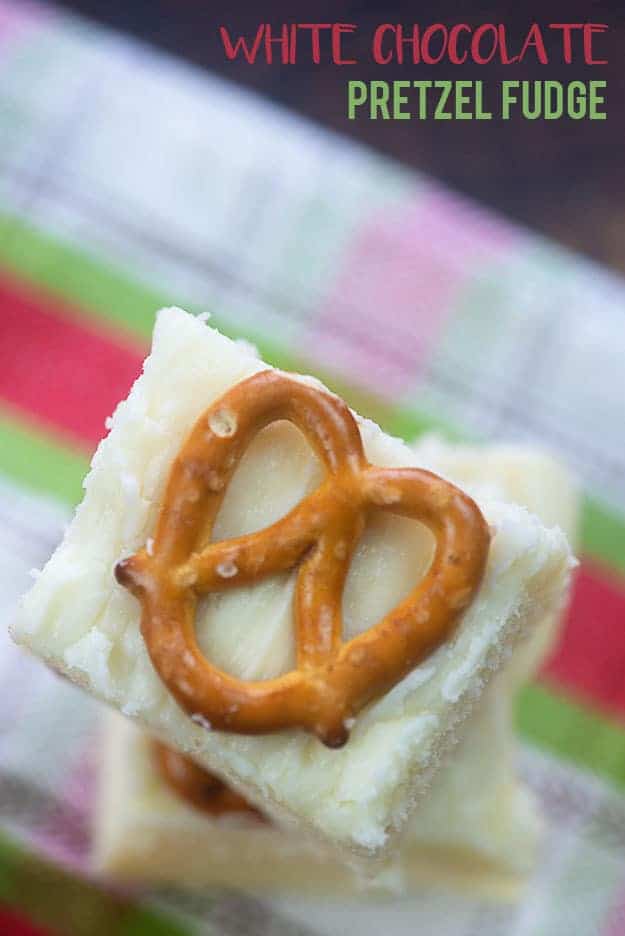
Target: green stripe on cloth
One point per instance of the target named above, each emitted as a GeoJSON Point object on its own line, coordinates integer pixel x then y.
{"type": "Point", "coordinates": [409, 424]}
{"type": "Point", "coordinates": [111, 295]}
{"type": "Point", "coordinates": [8, 877]}
{"type": "Point", "coordinates": [79, 278]}
{"type": "Point", "coordinates": [40, 461]}
{"type": "Point", "coordinates": [143, 922]}
{"type": "Point", "coordinates": [66, 903]}
{"type": "Point", "coordinates": [101, 290]}
{"type": "Point", "coordinates": [574, 732]}
{"type": "Point", "coordinates": [603, 533]}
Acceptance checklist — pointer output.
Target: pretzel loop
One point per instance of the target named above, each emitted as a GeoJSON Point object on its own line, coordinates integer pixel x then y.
{"type": "Point", "coordinates": [333, 679]}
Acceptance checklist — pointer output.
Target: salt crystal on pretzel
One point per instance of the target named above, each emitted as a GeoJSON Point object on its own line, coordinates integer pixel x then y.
{"type": "Point", "coordinates": [83, 623]}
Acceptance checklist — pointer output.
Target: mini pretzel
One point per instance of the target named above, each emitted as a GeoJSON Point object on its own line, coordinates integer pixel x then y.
{"type": "Point", "coordinates": [197, 786]}
{"type": "Point", "coordinates": [334, 680]}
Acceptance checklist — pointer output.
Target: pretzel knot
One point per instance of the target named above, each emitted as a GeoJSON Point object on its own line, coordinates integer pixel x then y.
{"type": "Point", "coordinates": [333, 679]}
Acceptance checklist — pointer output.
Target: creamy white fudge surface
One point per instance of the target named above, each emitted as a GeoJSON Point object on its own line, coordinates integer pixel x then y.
{"type": "Point", "coordinates": [144, 832]}
{"type": "Point", "coordinates": [82, 623]}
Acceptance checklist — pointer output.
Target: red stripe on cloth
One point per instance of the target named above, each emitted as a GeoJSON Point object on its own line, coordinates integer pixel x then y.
{"type": "Point", "coordinates": [58, 369]}
{"type": "Point", "coordinates": [13, 924]}
{"type": "Point", "coordinates": [589, 661]}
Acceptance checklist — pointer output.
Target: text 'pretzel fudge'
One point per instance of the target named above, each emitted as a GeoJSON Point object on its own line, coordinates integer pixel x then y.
{"type": "Point", "coordinates": [248, 558]}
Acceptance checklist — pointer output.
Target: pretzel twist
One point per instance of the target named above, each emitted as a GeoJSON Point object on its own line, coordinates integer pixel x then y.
{"type": "Point", "coordinates": [333, 680]}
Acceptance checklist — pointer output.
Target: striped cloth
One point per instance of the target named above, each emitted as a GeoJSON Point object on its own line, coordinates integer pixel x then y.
{"type": "Point", "coordinates": [129, 181]}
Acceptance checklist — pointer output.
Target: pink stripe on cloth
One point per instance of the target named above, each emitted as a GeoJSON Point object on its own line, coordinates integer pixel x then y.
{"type": "Point", "coordinates": [615, 921]}
{"type": "Point", "coordinates": [64, 835]}
{"type": "Point", "coordinates": [398, 283]}
{"type": "Point", "coordinates": [17, 19]}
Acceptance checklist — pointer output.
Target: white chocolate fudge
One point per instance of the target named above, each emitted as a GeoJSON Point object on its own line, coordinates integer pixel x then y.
{"type": "Point", "coordinates": [80, 621]}
{"type": "Point", "coordinates": [477, 830]}
{"type": "Point", "coordinates": [478, 809]}
{"type": "Point", "coordinates": [478, 826]}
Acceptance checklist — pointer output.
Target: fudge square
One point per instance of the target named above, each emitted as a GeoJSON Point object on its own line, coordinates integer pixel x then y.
{"type": "Point", "coordinates": [476, 829]}
{"type": "Point", "coordinates": [81, 622]}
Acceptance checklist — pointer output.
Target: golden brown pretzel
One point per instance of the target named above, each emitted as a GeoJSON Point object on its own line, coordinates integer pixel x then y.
{"type": "Point", "coordinates": [197, 786]}
{"type": "Point", "coordinates": [333, 680]}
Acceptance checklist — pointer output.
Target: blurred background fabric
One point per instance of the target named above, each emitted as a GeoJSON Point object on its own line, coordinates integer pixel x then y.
{"type": "Point", "coordinates": [562, 177]}
{"type": "Point", "coordinates": [130, 180]}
